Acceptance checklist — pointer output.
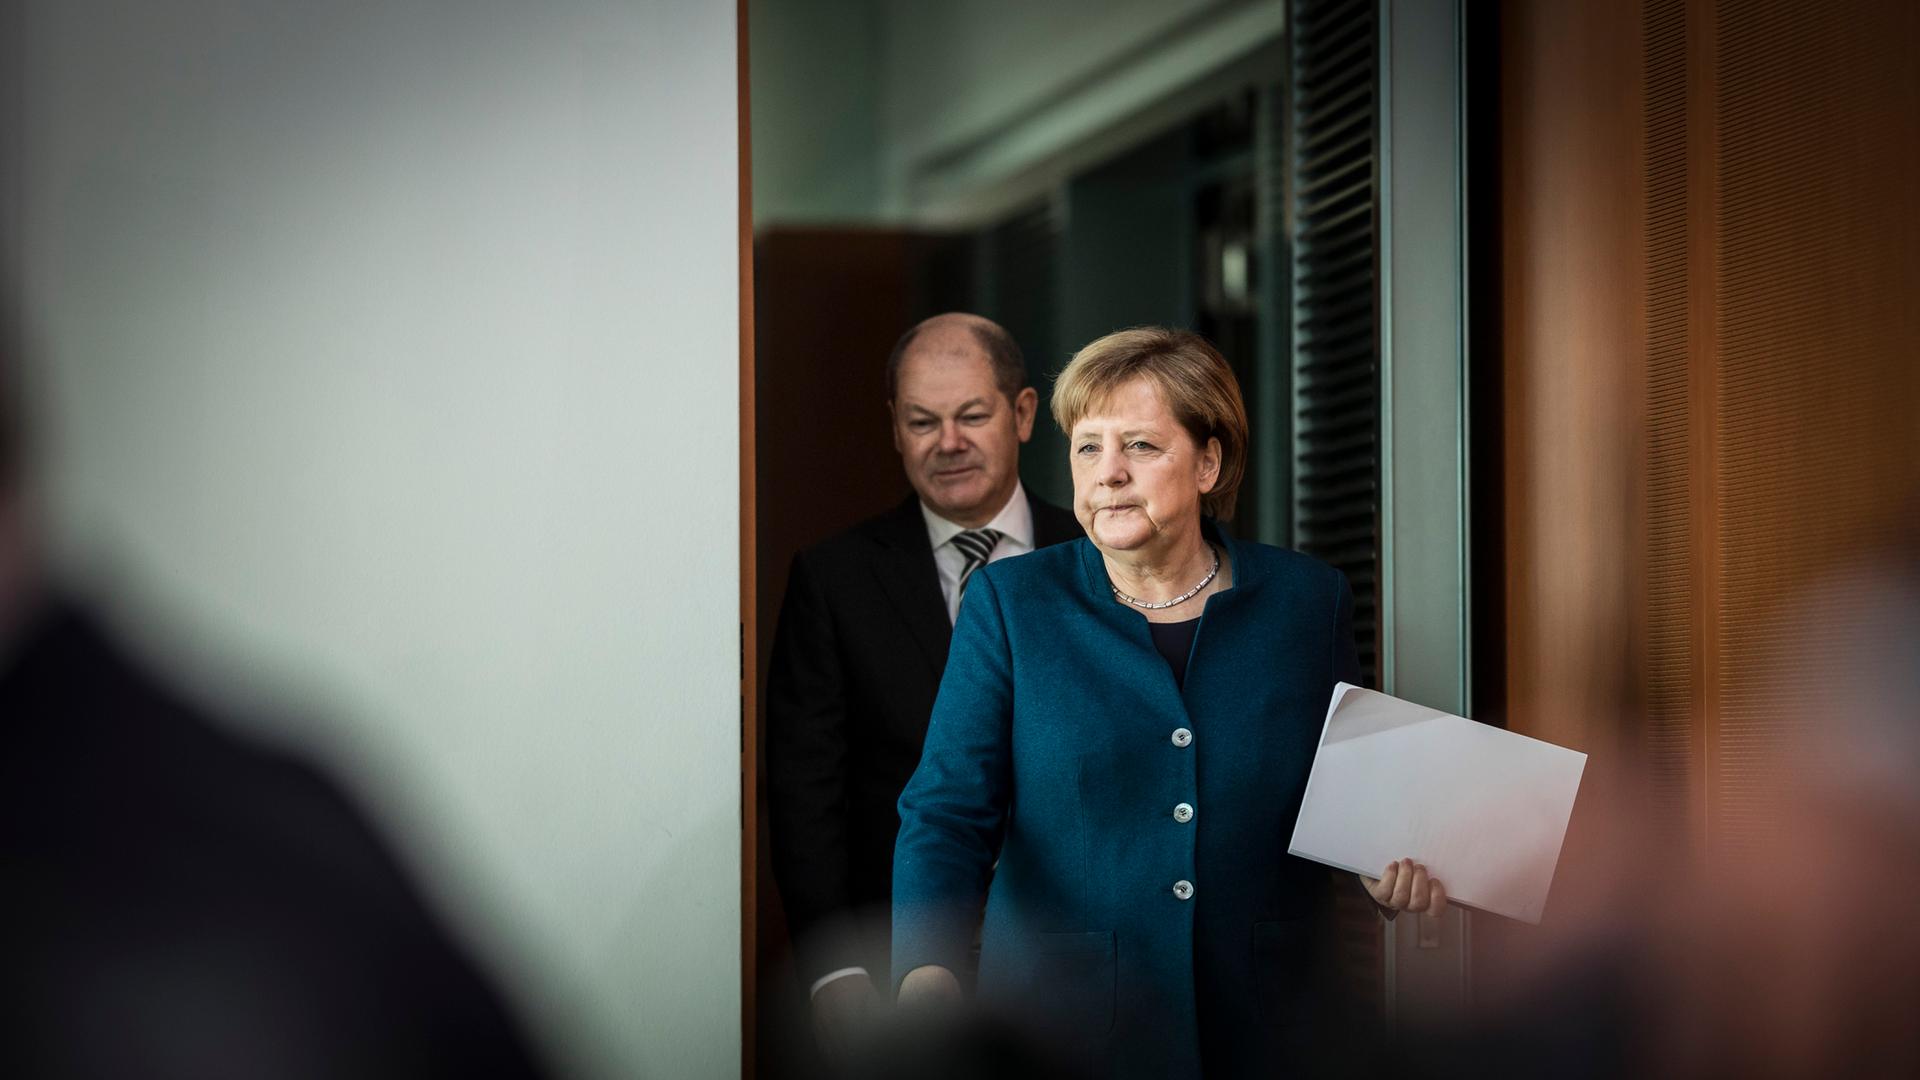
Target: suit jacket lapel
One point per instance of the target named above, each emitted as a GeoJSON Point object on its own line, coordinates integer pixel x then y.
{"type": "Point", "coordinates": [911, 582]}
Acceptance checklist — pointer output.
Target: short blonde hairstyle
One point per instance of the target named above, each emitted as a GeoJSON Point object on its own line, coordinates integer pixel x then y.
{"type": "Point", "coordinates": [1192, 378]}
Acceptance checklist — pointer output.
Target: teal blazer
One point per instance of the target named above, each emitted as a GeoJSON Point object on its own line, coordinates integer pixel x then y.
{"type": "Point", "coordinates": [1134, 942]}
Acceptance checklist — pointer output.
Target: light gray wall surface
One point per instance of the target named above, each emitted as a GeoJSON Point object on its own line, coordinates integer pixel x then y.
{"type": "Point", "coordinates": [388, 356]}
{"type": "Point", "coordinates": [946, 112]}
{"type": "Point", "coordinates": [959, 70]}
{"type": "Point", "coordinates": [816, 100]}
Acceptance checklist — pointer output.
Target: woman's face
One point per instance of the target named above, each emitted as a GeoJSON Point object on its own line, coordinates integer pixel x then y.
{"type": "Point", "coordinates": [1137, 474]}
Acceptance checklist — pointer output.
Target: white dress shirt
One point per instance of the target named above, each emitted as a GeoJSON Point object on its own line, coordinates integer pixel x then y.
{"type": "Point", "coordinates": [1015, 524]}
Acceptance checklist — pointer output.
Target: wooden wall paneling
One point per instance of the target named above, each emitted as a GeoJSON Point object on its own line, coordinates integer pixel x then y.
{"type": "Point", "coordinates": [1567, 274]}
{"type": "Point", "coordinates": [1571, 340]}
{"type": "Point", "coordinates": [1667, 651]}
{"type": "Point", "coordinates": [1810, 370]}
{"type": "Point", "coordinates": [1706, 271]}
{"type": "Point", "coordinates": [829, 305]}
{"type": "Point", "coordinates": [1702, 461]}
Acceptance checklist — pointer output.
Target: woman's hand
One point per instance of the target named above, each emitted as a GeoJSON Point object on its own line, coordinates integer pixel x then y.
{"type": "Point", "coordinates": [1405, 885]}
{"type": "Point", "coordinates": [929, 986]}
{"type": "Point", "coordinates": [843, 1014]}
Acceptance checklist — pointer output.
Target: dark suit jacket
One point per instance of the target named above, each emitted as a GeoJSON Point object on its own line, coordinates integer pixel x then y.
{"type": "Point", "coordinates": [857, 659]}
{"type": "Point", "coordinates": [1054, 748]}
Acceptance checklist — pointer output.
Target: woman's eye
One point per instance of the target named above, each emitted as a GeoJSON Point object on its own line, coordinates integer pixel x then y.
{"type": "Point", "coordinates": [1139, 445]}
{"type": "Point", "coordinates": [1088, 448]}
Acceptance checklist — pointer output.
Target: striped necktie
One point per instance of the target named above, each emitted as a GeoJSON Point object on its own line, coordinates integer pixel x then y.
{"type": "Point", "coordinates": [975, 545]}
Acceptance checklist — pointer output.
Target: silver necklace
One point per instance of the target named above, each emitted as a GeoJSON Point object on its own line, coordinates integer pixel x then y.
{"type": "Point", "coordinates": [1181, 599]}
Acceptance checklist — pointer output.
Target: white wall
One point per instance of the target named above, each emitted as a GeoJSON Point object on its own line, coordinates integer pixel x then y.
{"type": "Point", "coordinates": [389, 352]}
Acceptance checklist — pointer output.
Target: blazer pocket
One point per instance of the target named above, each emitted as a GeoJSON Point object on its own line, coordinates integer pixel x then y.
{"type": "Point", "coordinates": [1075, 978]}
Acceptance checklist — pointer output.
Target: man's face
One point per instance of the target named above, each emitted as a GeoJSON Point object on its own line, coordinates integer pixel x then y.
{"type": "Point", "coordinates": [958, 436]}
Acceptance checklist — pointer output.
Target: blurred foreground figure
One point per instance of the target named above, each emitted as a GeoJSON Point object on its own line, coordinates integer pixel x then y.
{"type": "Point", "coordinates": [960, 1045]}
{"type": "Point", "coordinates": [1799, 956]}
{"type": "Point", "coordinates": [180, 903]}
{"type": "Point", "coordinates": [1790, 949]}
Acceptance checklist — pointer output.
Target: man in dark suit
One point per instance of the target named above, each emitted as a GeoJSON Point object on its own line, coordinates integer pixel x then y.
{"type": "Point", "coordinates": [862, 643]}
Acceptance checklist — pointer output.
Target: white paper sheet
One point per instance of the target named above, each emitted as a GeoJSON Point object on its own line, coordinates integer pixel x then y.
{"type": "Point", "coordinates": [1485, 810]}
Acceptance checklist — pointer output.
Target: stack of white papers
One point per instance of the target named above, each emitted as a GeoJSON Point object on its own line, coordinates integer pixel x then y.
{"type": "Point", "coordinates": [1485, 810]}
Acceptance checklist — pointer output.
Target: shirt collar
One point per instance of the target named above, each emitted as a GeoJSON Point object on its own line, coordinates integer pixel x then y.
{"type": "Point", "coordinates": [1014, 521]}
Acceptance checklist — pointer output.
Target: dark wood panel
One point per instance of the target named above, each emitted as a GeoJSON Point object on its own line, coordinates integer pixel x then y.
{"type": "Point", "coordinates": [1706, 332]}
{"type": "Point", "coordinates": [1668, 654]}
{"type": "Point", "coordinates": [1571, 342]}
{"type": "Point", "coordinates": [1560, 294]}
{"type": "Point", "coordinates": [1813, 364]}
{"type": "Point", "coordinates": [828, 306]}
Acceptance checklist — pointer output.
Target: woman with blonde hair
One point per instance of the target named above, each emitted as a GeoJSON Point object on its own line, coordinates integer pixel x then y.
{"type": "Point", "coordinates": [1126, 725]}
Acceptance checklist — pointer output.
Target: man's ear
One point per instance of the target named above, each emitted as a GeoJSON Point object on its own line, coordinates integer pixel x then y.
{"type": "Point", "coordinates": [1025, 404]}
{"type": "Point", "coordinates": [893, 429]}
